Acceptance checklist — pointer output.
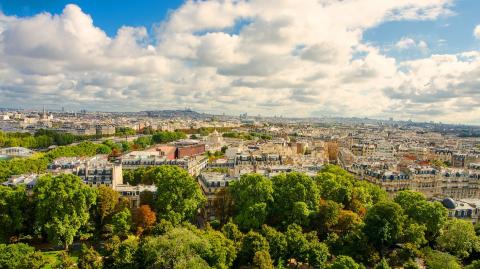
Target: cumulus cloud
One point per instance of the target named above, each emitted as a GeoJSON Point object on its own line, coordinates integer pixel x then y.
{"type": "Point", "coordinates": [408, 43]}
{"type": "Point", "coordinates": [476, 32]}
{"type": "Point", "coordinates": [267, 57]}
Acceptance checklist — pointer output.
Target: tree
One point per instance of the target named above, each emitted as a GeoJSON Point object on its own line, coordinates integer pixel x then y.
{"type": "Point", "coordinates": [473, 265]}
{"type": "Point", "coordinates": [252, 242]}
{"type": "Point", "coordinates": [295, 195]}
{"type": "Point", "coordinates": [251, 196]}
{"type": "Point", "coordinates": [327, 216]}
{"type": "Point", "coordinates": [277, 242]}
{"type": "Point", "coordinates": [89, 258]}
{"type": "Point", "coordinates": [124, 253]}
{"type": "Point", "coordinates": [65, 261]}
{"type": "Point", "coordinates": [62, 206]}
{"type": "Point", "coordinates": [20, 256]}
{"type": "Point", "coordinates": [262, 260]}
{"type": "Point", "coordinates": [231, 231]}
{"type": "Point", "coordinates": [459, 238]}
{"type": "Point", "coordinates": [440, 260]}
{"type": "Point", "coordinates": [383, 224]}
{"type": "Point", "coordinates": [431, 214]}
{"type": "Point", "coordinates": [144, 218]}
{"type": "Point", "coordinates": [305, 247]}
{"type": "Point", "coordinates": [13, 207]}
{"type": "Point", "coordinates": [335, 184]}
{"type": "Point", "coordinates": [179, 196]}
{"type": "Point", "coordinates": [121, 222]}
{"type": "Point", "coordinates": [107, 200]}
{"type": "Point", "coordinates": [344, 262]}
{"type": "Point", "coordinates": [187, 248]}
{"type": "Point", "coordinates": [383, 264]}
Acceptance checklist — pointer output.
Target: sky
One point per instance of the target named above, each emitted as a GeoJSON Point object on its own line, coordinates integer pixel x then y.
{"type": "Point", "coordinates": [401, 59]}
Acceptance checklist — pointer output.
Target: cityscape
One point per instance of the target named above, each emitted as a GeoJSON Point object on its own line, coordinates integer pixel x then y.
{"type": "Point", "coordinates": [240, 134]}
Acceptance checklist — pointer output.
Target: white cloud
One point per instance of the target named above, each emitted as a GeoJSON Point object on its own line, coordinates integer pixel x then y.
{"type": "Point", "coordinates": [408, 43]}
{"type": "Point", "coordinates": [267, 57]}
{"type": "Point", "coordinates": [476, 32]}
{"type": "Point", "coordinates": [405, 43]}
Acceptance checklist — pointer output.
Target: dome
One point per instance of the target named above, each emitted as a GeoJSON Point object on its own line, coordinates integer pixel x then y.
{"type": "Point", "coordinates": [448, 203]}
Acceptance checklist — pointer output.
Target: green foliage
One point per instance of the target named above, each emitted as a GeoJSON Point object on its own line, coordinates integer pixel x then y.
{"type": "Point", "coordinates": [122, 222]}
{"type": "Point", "coordinates": [124, 131]}
{"type": "Point", "coordinates": [20, 256]}
{"type": "Point", "coordinates": [251, 243]}
{"type": "Point", "coordinates": [440, 260]}
{"type": "Point", "coordinates": [179, 196]}
{"type": "Point", "coordinates": [107, 200]}
{"type": "Point", "coordinates": [262, 260]}
{"type": "Point", "coordinates": [124, 254]}
{"type": "Point", "coordinates": [13, 211]}
{"type": "Point", "coordinates": [41, 139]}
{"type": "Point", "coordinates": [459, 238]}
{"type": "Point", "coordinates": [165, 137]}
{"type": "Point", "coordinates": [383, 264]}
{"type": "Point", "coordinates": [65, 261]}
{"type": "Point", "coordinates": [295, 196]}
{"type": "Point", "coordinates": [251, 195]}
{"type": "Point", "coordinates": [327, 216]}
{"type": "Point", "coordinates": [473, 265]}
{"type": "Point", "coordinates": [89, 258]}
{"type": "Point", "coordinates": [62, 206]}
{"type": "Point", "coordinates": [431, 214]}
{"type": "Point", "coordinates": [305, 247]}
{"type": "Point", "coordinates": [344, 262]}
{"type": "Point", "coordinates": [383, 224]}
{"type": "Point", "coordinates": [277, 242]}
{"type": "Point", "coordinates": [184, 248]}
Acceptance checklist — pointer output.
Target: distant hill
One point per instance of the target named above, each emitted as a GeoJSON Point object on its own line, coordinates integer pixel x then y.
{"type": "Point", "coordinates": [187, 113]}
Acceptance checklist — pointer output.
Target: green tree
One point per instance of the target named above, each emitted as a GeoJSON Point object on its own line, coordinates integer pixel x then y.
{"type": "Point", "coordinates": [20, 256]}
{"type": "Point", "coordinates": [295, 195]}
{"type": "Point", "coordinates": [277, 242]}
{"type": "Point", "coordinates": [327, 216]}
{"type": "Point", "coordinates": [383, 264]}
{"type": "Point", "coordinates": [187, 248]}
{"type": "Point", "coordinates": [262, 260]}
{"type": "Point", "coordinates": [305, 247]}
{"type": "Point", "coordinates": [65, 261]}
{"type": "Point", "coordinates": [344, 262]}
{"type": "Point", "coordinates": [383, 224]}
{"type": "Point", "coordinates": [458, 238]}
{"type": "Point", "coordinates": [124, 254]}
{"type": "Point", "coordinates": [335, 184]}
{"type": "Point", "coordinates": [122, 222]}
{"type": "Point", "coordinates": [231, 231]}
{"type": "Point", "coordinates": [251, 196]}
{"type": "Point", "coordinates": [440, 260]}
{"type": "Point", "coordinates": [431, 214]}
{"type": "Point", "coordinates": [473, 265]}
{"type": "Point", "coordinates": [89, 258]}
{"type": "Point", "coordinates": [179, 196]}
{"type": "Point", "coordinates": [62, 205]}
{"type": "Point", "coordinates": [13, 208]}
{"type": "Point", "coordinates": [107, 200]}
{"type": "Point", "coordinates": [252, 242]}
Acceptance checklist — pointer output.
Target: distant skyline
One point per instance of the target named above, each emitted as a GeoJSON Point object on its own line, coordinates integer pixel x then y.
{"type": "Point", "coordinates": [406, 59]}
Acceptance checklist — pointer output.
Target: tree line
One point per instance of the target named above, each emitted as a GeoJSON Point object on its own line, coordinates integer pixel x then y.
{"type": "Point", "coordinates": [291, 220]}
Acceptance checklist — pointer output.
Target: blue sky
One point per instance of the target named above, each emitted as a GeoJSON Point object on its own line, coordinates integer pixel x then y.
{"type": "Point", "coordinates": [447, 34]}
{"type": "Point", "coordinates": [406, 59]}
{"type": "Point", "coordinates": [107, 14]}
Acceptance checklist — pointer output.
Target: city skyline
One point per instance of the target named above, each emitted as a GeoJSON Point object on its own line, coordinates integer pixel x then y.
{"type": "Point", "coordinates": [415, 60]}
